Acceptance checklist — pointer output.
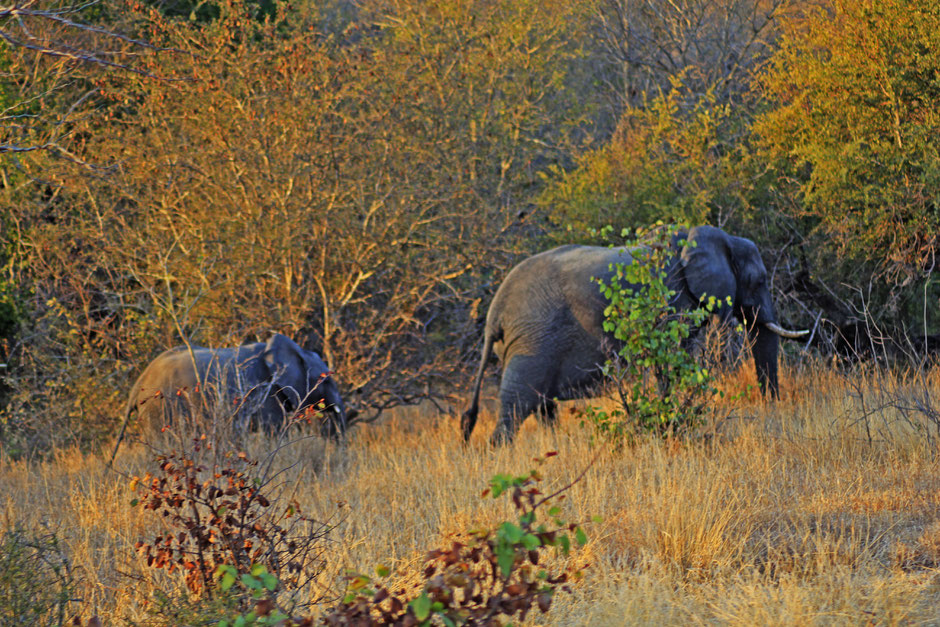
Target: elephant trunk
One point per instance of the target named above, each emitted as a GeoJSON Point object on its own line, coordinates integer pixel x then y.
{"type": "Point", "coordinates": [766, 346]}
{"type": "Point", "coordinates": [334, 419]}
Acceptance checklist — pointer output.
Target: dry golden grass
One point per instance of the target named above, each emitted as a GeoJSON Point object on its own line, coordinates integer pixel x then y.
{"type": "Point", "coordinates": [784, 514]}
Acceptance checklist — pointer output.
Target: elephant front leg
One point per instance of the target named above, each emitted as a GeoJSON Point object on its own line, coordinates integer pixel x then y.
{"type": "Point", "coordinates": [547, 413]}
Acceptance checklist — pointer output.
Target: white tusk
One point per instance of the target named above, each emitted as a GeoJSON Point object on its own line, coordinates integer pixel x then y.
{"type": "Point", "coordinates": [779, 330]}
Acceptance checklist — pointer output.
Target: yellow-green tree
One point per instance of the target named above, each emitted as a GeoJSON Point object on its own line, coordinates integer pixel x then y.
{"type": "Point", "coordinates": [853, 126]}
{"type": "Point", "coordinates": [680, 158]}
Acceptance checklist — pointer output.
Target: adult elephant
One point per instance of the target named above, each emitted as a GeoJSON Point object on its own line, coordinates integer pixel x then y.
{"type": "Point", "coordinates": [546, 321]}
{"type": "Point", "coordinates": [255, 384]}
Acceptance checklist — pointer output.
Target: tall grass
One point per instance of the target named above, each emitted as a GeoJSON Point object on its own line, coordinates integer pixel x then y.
{"type": "Point", "coordinates": [786, 513]}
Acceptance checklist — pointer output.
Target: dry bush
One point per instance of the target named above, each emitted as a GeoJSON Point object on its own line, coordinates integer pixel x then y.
{"type": "Point", "coordinates": [355, 185]}
{"type": "Point", "coordinates": [230, 517]}
{"type": "Point", "coordinates": [714, 44]}
{"type": "Point", "coordinates": [36, 579]}
{"type": "Point", "coordinates": [52, 50]}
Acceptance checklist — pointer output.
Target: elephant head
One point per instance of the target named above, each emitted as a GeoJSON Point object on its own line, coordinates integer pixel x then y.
{"type": "Point", "coordinates": [301, 379]}
{"type": "Point", "coordinates": [714, 263]}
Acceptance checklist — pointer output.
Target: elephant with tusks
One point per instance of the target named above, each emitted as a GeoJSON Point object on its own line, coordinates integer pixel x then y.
{"type": "Point", "coordinates": [546, 320]}
{"type": "Point", "coordinates": [255, 385]}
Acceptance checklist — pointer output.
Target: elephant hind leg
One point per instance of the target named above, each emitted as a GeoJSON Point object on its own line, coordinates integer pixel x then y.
{"type": "Point", "coordinates": [520, 394]}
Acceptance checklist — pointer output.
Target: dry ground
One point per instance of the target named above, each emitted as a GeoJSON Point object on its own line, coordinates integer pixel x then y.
{"type": "Point", "coordinates": [791, 513]}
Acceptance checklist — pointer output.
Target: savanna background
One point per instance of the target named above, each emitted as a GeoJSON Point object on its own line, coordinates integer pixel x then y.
{"type": "Point", "coordinates": [361, 174]}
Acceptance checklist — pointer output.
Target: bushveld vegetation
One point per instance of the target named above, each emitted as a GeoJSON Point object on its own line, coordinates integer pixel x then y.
{"type": "Point", "coordinates": [360, 175]}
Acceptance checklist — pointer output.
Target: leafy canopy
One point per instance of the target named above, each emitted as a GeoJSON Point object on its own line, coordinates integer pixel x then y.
{"type": "Point", "coordinates": [855, 122]}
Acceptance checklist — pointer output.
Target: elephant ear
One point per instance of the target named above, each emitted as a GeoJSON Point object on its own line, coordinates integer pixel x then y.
{"type": "Point", "coordinates": [707, 264]}
{"type": "Point", "coordinates": [287, 368]}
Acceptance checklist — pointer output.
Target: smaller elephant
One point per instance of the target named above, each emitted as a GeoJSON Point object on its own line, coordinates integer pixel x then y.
{"type": "Point", "coordinates": [256, 384]}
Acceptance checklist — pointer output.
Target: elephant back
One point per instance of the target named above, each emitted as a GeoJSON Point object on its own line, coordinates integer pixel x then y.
{"type": "Point", "coordinates": [556, 285]}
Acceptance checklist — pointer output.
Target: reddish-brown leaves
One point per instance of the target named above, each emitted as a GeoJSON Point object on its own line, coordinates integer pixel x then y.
{"type": "Point", "coordinates": [221, 517]}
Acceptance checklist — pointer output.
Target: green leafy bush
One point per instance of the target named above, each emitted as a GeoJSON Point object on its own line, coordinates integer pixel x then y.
{"type": "Point", "coordinates": [489, 576]}
{"type": "Point", "coordinates": [679, 158]}
{"type": "Point", "coordinates": [662, 389]}
{"type": "Point", "coordinates": [257, 584]}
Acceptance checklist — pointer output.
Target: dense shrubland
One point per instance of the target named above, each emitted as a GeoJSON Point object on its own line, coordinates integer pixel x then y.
{"type": "Point", "coordinates": [353, 180]}
{"type": "Point", "coordinates": [360, 175]}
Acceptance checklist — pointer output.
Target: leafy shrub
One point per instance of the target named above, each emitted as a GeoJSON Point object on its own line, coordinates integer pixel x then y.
{"type": "Point", "coordinates": [662, 389]}
{"type": "Point", "coordinates": [678, 158]}
{"type": "Point", "coordinates": [259, 585]}
{"type": "Point", "coordinates": [852, 127]}
{"type": "Point", "coordinates": [480, 580]}
{"type": "Point", "coordinates": [223, 518]}
{"type": "Point", "coordinates": [493, 573]}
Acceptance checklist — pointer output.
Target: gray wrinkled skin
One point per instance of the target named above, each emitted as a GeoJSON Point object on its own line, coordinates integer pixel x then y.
{"type": "Point", "coordinates": [256, 384]}
{"type": "Point", "coordinates": [545, 321]}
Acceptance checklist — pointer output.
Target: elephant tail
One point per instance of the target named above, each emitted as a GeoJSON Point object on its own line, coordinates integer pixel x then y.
{"type": "Point", "coordinates": [469, 418]}
{"type": "Point", "coordinates": [130, 409]}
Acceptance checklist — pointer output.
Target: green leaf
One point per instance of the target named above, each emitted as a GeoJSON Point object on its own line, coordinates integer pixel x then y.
{"type": "Point", "coordinates": [421, 606]}
{"type": "Point", "coordinates": [382, 571]}
{"type": "Point", "coordinates": [512, 533]}
{"type": "Point", "coordinates": [252, 583]}
{"type": "Point", "coordinates": [228, 579]}
{"type": "Point", "coordinates": [506, 559]}
{"type": "Point", "coordinates": [530, 542]}
{"type": "Point", "coordinates": [270, 581]}
{"type": "Point", "coordinates": [579, 536]}
{"type": "Point", "coordinates": [134, 502]}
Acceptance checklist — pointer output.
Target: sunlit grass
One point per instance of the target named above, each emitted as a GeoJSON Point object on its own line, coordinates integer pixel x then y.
{"type": "Point", "coordinates": [787, 513]}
